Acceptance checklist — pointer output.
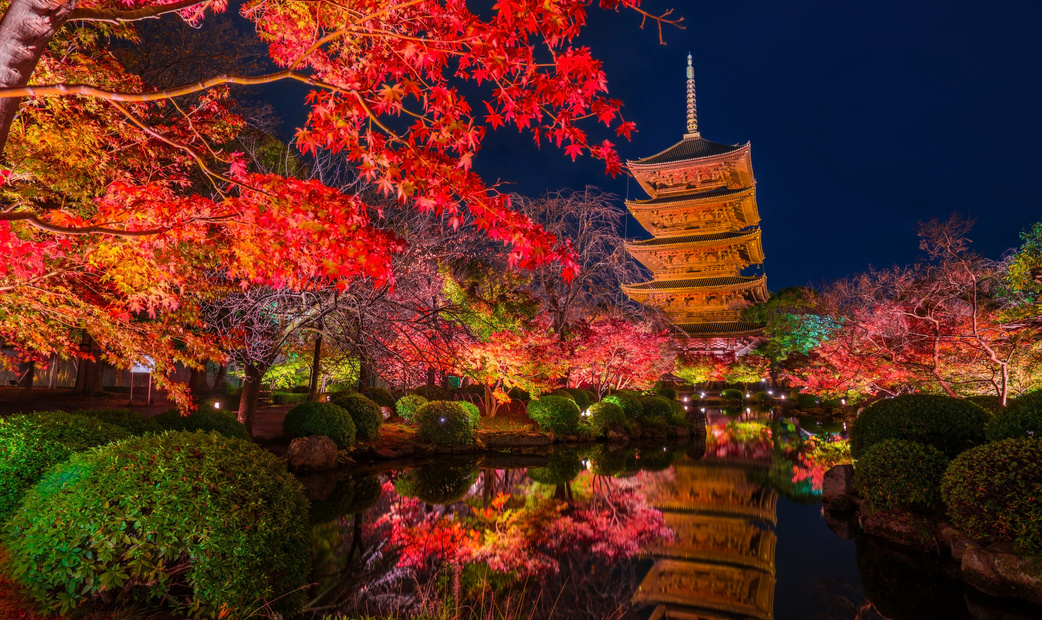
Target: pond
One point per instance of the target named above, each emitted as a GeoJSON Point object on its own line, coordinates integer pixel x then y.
{"type": "Point", "coordinates": [725, 526]}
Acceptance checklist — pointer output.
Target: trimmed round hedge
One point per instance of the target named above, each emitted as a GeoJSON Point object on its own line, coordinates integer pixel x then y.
{"type": "Point", "coordinates": [952, 425]}
{"type": "Point", "coordinates": [657, 407]}
{"type": "Point", "coordinates": [901, 475]}
{"type": "Point", "coordinates": [668, 393]}
{"type": "Point", "coordinates": [993, 490]}
{"type": "Point", "coordinates": [32, 443]}
{"type": "Point", "coordinates": [583, 398]}
{"type": "Point", "coordinates": [364, 412]}
{"type": "Point", "coordinates": [314, 418]}
{"type": "Point", "coordinates": [563, 467]}
{"type": "Point", "coordinates": [207, 521]}
{"type": "Point", "coordinates": [444, 423]}
{"type": "Point", "coordinates": [1022, 418]}
{"type": "Point", "coordinates": [630, 404]}
{"type": "Point", "coordinates": [131, 421]}
{"type": "Point", "coordinates": [443, 485]}
{"type": "Point", "coordinates": [605, 415]}
{"type": "Point", "coordinates": [472, 410]}
{"type": "Point", "coordinates": [732, 394]}
{"type": "Point", "coordinates": [204, 419]}
{"type": "Point", "coordinates": [408, 405]}
{"type": "Point", "coordinates": [556, 414]}
{"type": "Point", "coordinates": [381, 396]}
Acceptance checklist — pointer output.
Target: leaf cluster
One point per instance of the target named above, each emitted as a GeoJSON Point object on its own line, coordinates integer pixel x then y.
{"type": "Point", "coordinates": [901, 475]}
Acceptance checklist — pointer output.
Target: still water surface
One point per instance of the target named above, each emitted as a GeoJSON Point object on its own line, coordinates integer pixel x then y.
{"type": "Point", "coordinates": [729, 526]}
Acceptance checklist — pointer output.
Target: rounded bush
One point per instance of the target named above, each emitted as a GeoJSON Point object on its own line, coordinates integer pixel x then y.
{"type": "Point", "coordinates": [133, 422]}
{"type": "Point", "coordinates": [199, 519]}
{"type": "Point", "coordinates": [583, 398]}
{"type": "Point", "coordinates": [991, 404]}
{"type": "Point", "coordinates": [408, 404]}
{"type": "Point", "coordinates": [204, 419]}
{"type": "Point", "coordinates": [668, 393]}
{"type": "Point", "coordinates": [312, 418]}
{"type": "Point", "coordinates": [300, 389]}
{"type": "Point", "coordinates": [432, 392]}
{"type": "Point", "coordinates": [732, 394]}
{"type": "Point", "coordinates": [381, 396]}
{"type": "Point", "coordinates": [807, 401]}
{"type": "Point", "coordinates": [609, 460]}
{"type": "Point", "coordinates": [1022, 418]}
{"type": "Point", "coordinates": [951, 425]}
{"type": "Point", "coordinates": [364, 413]}
{"type": "Point", "coordinates": [564, 466]}
{"type": "Point", "coordinates": [516, 393]}
{"type": "Point", "coordinates": [287, 398]}
{"type": "Point", "coordinates": [445, 484]}
{"type": "Point", "coordinates": [901, 475]}
{"type": "Point", "coordinates": [630, 404]}
{"type": "Point", "coordinates": [32, 443]}
{"type": "Point", "coordinates": [993, 490]}
{"type": "Point", "coordinates": [605, 415]}
{"type": "Point", "coordinates": [657, 407]}
{"type": "Point", "coordinates": [556, 414]}
{"type": "Point", "coordinates": [657, 458]}
{"type": "Point", "coordinates": [444, 423]}
{"type": "Point", "coordinates": [472, 410]}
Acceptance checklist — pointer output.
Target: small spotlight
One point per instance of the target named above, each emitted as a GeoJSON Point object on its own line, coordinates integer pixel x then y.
{"type": "Point", "coordinates": [703, 394]}
{"type": "Point", "coordinates": [770, 393]}
{"type": "Point", "coordinates": [217, 405]}
{"type": "Point", "coordinates": [442, 420]}
{"type": "Point", "coordinates": [747, 394]}
{"type": "Point", "coordinates": [685, 399]}
{"type": "Point", "coordinates": [842, 401]}
{"type": "Point", "coordinates": [685, 407]}
{"type": "Point", "coordinates": [748, 410]}
{"type": "Point", "coordinates": [703, 409]}
{"type": "Point", "coordinates": [783, 396]}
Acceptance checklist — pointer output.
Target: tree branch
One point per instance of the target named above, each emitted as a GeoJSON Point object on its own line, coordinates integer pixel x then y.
{"type": "Point", "coordinates": [117, 16]}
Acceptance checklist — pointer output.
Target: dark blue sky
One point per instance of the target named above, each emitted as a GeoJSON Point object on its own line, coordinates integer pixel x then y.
{"type": "Point", "coordinates": [864, 118]}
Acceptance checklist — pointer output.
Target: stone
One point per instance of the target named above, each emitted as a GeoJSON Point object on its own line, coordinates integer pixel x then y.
{"type": "Point", "coordinates": [841, 505]}
{"type": "Point", "coordinates": [844, 527]}
{"type": "Point", "coordinates": [903, 529]}
{"type": "Point", "coordinates": [683, 432]}
{"type": "Point", "coordinates": [512, 439]}
{"type": "Point", "coordinates": [651, 433]}
{"type": "Point", "coordinates": [386, 454]}
{"type": "Point", "coordinates": [317, 453]}
{"type": "Point", "coordinates": [837, 481]}
{"type": "Point", "coordinates": [318, 486]}
{"type": "Point", "coordinates": [959, 547]}
{"type": "Point", "coordinates": [1002, 574]}
{"type": "Point", "coordinates": [615, 436]}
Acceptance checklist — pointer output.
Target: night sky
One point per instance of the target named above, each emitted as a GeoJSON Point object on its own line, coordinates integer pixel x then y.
{"type": "Point", "coordinates": [864, 118]}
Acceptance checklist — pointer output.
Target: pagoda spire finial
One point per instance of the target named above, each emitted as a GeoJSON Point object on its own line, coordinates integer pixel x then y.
{"type": "Point", "coordinates": [692, 110]}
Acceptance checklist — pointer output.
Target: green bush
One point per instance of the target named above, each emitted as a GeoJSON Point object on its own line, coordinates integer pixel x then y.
{"type": "Point", "coordinates": [131, 421]}
{"type": "Point", "coordinates": [472, 411]}
{"type": "Point", "coordinates": [431, 392]}
{"type": "Point", "coordinates": [204, 419]}
{"type": "Point", "coordinates": [657, 458]}
{"type": "Point", "coordinates": [515, 393]}
{"type": "Point", "coordinates": [1022, 418]}
{"type": "Point", "coordinates": [408, 405]}
{"type": "Point", "coordinates": [365, 414]}
{"type": "Point", "coordinates": [556, 414]}
{"type": "Point", "coordinates": [657, 407]}
{"type": "Point", "coordinates": [300, 389]}
{"type": "Point", "coordinates": [443, 485]}
{"type": "Point", "coordinates": [287, 398]}
{"type": "Point", "coordinates": [200, 520]}
{"type": "Point", "coordinates": [668, 393]}
{"type": "Point", "coordinates": [993, 491]}
{"type": "Point", "coordinates": [32, 443]}
{"type": "Point", "coordinates": [901, 475]}
{"type": "Point", "coordinates": [381, 396]}
{"type": "Point", "coordinates": [991, 404]}
{"type": "Point", "coordinates": [444, 423]}
{"type": "Point", "coordinates": [564, 466]}
{"type": "Point", "coordinates": [312, 418]}
{"type": "Point", "coordinates": [951, 425]}
{"type": "Point", "coordinates": [732, 394]}
{"type": "Point", "coordinates": [605, 415]}
{"type": "Point", "coordinates": [583, 398]}
{"type": "Point", "coordinates": [609, 460]}
{"type": "Point", "coordinates": [807, 401]}
{"type": "Point", "coordinates": [630, 404]}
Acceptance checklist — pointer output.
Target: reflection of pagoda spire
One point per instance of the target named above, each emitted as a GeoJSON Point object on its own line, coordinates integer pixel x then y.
{"type": "Point", "coordinates": [692, 109]}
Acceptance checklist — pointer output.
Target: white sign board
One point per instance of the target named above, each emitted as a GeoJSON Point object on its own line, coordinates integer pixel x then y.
{"type": "Point", "coordinates": [148, 366]}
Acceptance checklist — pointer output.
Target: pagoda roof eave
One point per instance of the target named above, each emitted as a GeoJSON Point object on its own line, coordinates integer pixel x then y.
{"type": "Point", "coordinates": [705, 240]}
{"type": "Point", "coordinates": [693, 284]}
{"type": "Point", "coordinates": [732, 329]}
{"type": "Point", "coordinates": [689, 150]}
{"type": "Point", "coordinates": [672, 201]}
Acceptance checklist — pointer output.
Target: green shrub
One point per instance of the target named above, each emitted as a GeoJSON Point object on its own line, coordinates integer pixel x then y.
{"type": "Point", "coordinates": [609, 460]}
{"type": "Point", "coordinates": [312, 418]}
{"type": "Point", "coordinates": [444, 423]}
{"type": "Point", "coordinates": [951, 425]}
{"type": "Point", "coordinates": [807, 401]}
{"type": "Point", "coordinates": [732, 394]}
{"type": "Point", "coordinates": [32, 443]}
{"type": "Point", "coordinates": [472, 411]}
{"type": "Point", "coordinates": [408, 405]}
{"type": "Point", "coordinates": [1022, 418]}
{"type": "Point", "coordinates": [287, 398]}
{"type": "Point", "coordinates": [657, 407]}
{"type": "Point", "coordinates": [605, 415]}
{"type": "Point", "coordinates": [668, 393]}
{"type": "Point", "coordinates": [206, 521]}
{"type": "Point", "coordinates": [657, 458]}
{"type": "Point", "coordinates": [431, 392]}
{"type": "Point", "coordinates": [364, 413]}
{"type": "Point", "coordinates": [993, 491]}
{"type": "Point", "coordinates": [443, 485]}
{"type": "Point", "coordinates": [300, 389]}
{"type": "Point", "coordinates": [131, 421]}
{"type": "Point", "coordinates": [564, 466]}
{"type": "Point", "coordinates": [583, 398]}
{"type": "Point", "coordinates": [630, 404]}
{"type": "Point", "coordinates": [204, 419]}
{"type": "Point", "coordinates": [515, 393]}
{"type": "Point", "coordinates": [901, 475]}
{"type": "Point", "coordinates": [991, 404]}
{"type": "Point", "coordinates": [381, 396]}
{"type": "Point", "coordinates": [556, 414]}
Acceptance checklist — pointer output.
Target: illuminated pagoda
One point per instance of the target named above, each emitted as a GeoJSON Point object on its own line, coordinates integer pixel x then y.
{"type": "Point", "coordinates": [705, 225]}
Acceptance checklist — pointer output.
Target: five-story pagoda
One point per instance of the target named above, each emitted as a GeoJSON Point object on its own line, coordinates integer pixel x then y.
{"type": "Point", "coordinates": [703, 218]}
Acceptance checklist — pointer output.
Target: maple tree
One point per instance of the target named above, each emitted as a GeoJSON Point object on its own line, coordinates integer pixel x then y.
{"type": "Point", "coordinates": [611, 353]}
{"type": "Point", "coordinates": [105, 224]}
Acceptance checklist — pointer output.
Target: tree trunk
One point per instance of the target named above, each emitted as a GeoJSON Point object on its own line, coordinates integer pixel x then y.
{"type": "Point", "coordinates": [26, 370]}
{"type": "Point", "coordinates": [197, 384]}
{"type": "Point", "coordinates": [316, 369]}
{"type": "Point", "coordinates": [25, 29]}
{"type": "Point", "coordinates": [431, 376]}
{"type": "Point", "coordinates": [250, 392]}
{"type": "Point", "coordinates": [90, 375]}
